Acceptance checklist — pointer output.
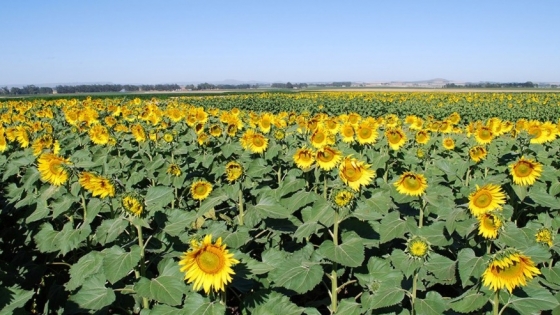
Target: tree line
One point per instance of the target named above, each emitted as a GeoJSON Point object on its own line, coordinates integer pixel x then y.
{"type": "Point", "coordinates": [91, 88]}
{"type": "Point", "coordinates": [26, 90]}
{"type": "Point", "coordinates": [527, 84]}
{"type": "Point", "coordinates": [289, 85]}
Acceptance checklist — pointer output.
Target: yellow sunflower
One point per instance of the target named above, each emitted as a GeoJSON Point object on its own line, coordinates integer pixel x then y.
{"type": "Point", "coordinates": [488, 225]}
{"type": "Point", "coordinates": [99, 134]}
{"type": "Point", "coordinates": [258, 143]}
{"type": "Point", "coordinates": [417, 247]}
{"type": "Point", "coordinates": [202, 139]}
{"type": "Point", "coordinates": [102, 187]}
{"type": "Point", "coordinates": [133, 205]}
{"type": "Point", "coordinates": [422, 137]}
{"type": "Point", "coordinates": [304, 158]}
{"type": "Point", "coordinates": [343, 198]}
{"type": "Point", "coordinates": [355, 173]}
{"type": "Point", "coordinates": [52, 170]}
{"type": "Point", "coordinates": [174, 170]}
{"type": "Point", "coordinates": [320, 138]}
{"type": "Point", "coordinates": [208, 265]}
{"type": "Point", "coordinates": [347, 133]}
{"type": "Point", "coordinates": [525, 171]}
{"type": "Point", "coordinates": [509, 269]}
{"type": "Point", "coordinates": [234, 170]}
{"type": "Point", "coordinates": [168, 137]}
{"type": "Point", "coordinates": [201, 189]}
{"type": "Point", "coordinates": [215, 130]}
{"type": "Point", "coordinates": [396, 138]}
{"type": "Point", "coordinates": [328, 158]}
{"type": "Point", "coordinates": [138, 133]}
{"type": "Point", "coordinates": [483, 135]}
{"type": "Point", "coordinates": [3, 142]}
{"type": "Point", "coordinates": [366, 133]}
{"type": "Point", "coordinates": [448, 143]}
{"type": "Point", "coordinates": [478, 153]}
{"type": "Point", "coordinates": [411, 184]}
{"type": "Point", "coordinates": [486, 198]}
{"type": "Point", "coordinates": [544, 236]}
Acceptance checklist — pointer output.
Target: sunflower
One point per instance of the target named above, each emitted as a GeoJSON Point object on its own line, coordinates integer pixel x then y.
{"type": "Point", "coordinates": [417, 247]}
{"type": "Point", "coordinates": [132, 204]}
{"type": "Point", "coordinates": [509, 269]}
{"type": "Point", "coordinates": [484, 135]}
{"type": "Point", "coordinates": [265, 122]}
{"type": "Point", "coordinates": [544, 236]}
{"type": "Point", "coordinates": [254, 141]}
{"type": "Point", "coordinates": [3, 142]}
{"type": "Point", "coordinates": [486, 198]}
{"type": "Point", "coordinates": [478, 153]}
{"type": "Point", "coordinates": [138, 133]}
{"type": "Point", "coordinates": [102, 187]}
{"type": "Point", "coordinates": [320, 138]}
{"type": "Point", "coordinates": [343, 198]}
{"type": "Point", "coordinates": [525, 171]}
{"type": "Point", "coordinates": [538, 134]}
{"type": "Point", "coordinates": [347, 133]}
{"type": "Point", "coordinates": [411, 184]}
{"type": "Point", "coordinates": [208, 264]}
{"type": "Point", "coordinates": [215, 130]}
{"type": "Point", "coordinates": [279, 134]}
{"type": "Point", "coordinates": [234, 170]}
{"type": "Point", "coordinates": [422, 137]}
{"type": "Point", "coordinates": [202, 139]}
{"type": "Point", "coordinates": [396, 138]}
{"type": "Point", "coordinates": [304, 158]}
{"type": "Point", "coordinates": [52, 170]}
{"type": "Point", "coordinates": [448, 143]}
{"type": "Point", "coordinates": [327, 158]}
{"type": "Point", "coordinates": [355, 173]}
{"type": "Point", "coordinates": [99, 134]}
{"type": "Point", "coordinates": [366, 133]}
{"type": "Point", "coordinates": [201, 189]}
{"type": "Point", "coordinates": [174, 170]}
{"type": "Point", "coordinates": [488, 225]}
{"type": "Point", "coordinates": [168, 137]}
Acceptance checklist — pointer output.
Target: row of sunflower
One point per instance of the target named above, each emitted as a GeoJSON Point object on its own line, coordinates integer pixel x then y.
{"type": "Point", "coordinates": [162, 206]}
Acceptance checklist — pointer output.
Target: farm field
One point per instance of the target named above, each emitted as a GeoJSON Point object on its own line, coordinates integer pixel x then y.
{"type": "Point", "coordinates": [331, 202]}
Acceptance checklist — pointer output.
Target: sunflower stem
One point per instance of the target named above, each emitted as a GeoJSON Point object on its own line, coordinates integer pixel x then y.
{"type": "Point", "coordinates": [334, 279]}
{"type": "Point", "coordinates": [414, 285]}
{"type": "Point", "coordinates": [84, 207]}
{"type": "Point", "coordinates": [496, 305]}
{"type": "Point", "coordinates": [325, 186]}
{"type": "Point", "coordinates": [241, 214]}
{"type": "Point", "coordinates": [145, 303]}
{"type": "Point", "coordinates": [279, 175]}
{"type": "Point", "coordinates": [421, 216]}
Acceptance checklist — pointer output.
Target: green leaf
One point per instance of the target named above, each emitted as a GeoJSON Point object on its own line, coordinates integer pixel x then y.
{"type": "Point", "coordinates": [469, 302]}
{"type": "Point", "coordinates": [520, 191]}
{"type": "Point", "coordinates": [158, 197]}
{"type": "Point", "coordinates": [277, 303]}
{"type": "Point", "coordinates": [442, 268]}
{"type": "Point", "coordinates": [375, 207]}
{"type": "Point", "coordinates": [392, 226]}
{"type": "Point", "coordinates": [118, 263]}
{"type": "Point", "coordinates": [321, 211]}
{"type": "Point", "coordinates": [48, 240]}
{"type": "Point", "coordinates": [110, 229]}
{"type": "Point", "coordinates": [433, 304]}
{"type": "Point", "coordinates": [93, 295]}
{"type": "Point", "coordinates": [12, 298]}
{"type": "Point", "coordinates": [297, 276]}
{"type": "Point", "coordinates": [41, 211]}
{"type": "Point", "coordinates": [197, 305]}
{"type": "Point", "coordinates": [168, 288]}
{"type": "Point", "coordinates": [404, 263]}
{"type": "Point", "coordinates": [350, 253]}
{"type": "Point", "coordinates": [534, 300]}
{"type": "Point", "coordinates": [470, 267]}
{"type": "Point", "coordinates": [515, 237]}
{"type": "Point", "coordinates": [178, 221]}
{"type": "Point", "coordinates": [434, 234]}
{"type": "Point", "coordinates": [299, 200]}
{"type": "Point", "coordinates": [383, 298]}
{"type": "Point", "coordinates": [552, 274]}
{"type": "Point", "coordinates": [268, 207]}
{"type": "Point", "coordinates": [90, 264]}
{"type": "Point", "coordinates": [290, 185]}
{"type": "Point", "coordinates": [541, 197]}
{"type": "Point", "coordinates": [162, 309]}
{"type": "Point", "coordinates": [305, 230]}
{"type": "Point", "coordinates": [349, 307]}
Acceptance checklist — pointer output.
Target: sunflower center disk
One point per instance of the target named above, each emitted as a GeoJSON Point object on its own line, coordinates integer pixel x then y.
{"type": "Point", "coordinates": [411, 183]}
{"type": "Point", "coordinates": [352, 174]}
{"type": "Point", "coordinates": [522, 169]}
{"type": "Point", "coordinates": [394, 137]}
{"type": "Point", "coordinates": [210, 261]}
{"type": "Point", "coordinates": [513, 271]}
{"type": "Point", "coordinates": [200, 189]}
{"type": "Point", "coordinates": [483, 199]}
{"type": "Point", "coordinates": [258, 142]}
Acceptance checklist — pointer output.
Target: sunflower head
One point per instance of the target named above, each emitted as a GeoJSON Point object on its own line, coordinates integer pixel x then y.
{"type": "Point", "coordinates": [174, 170]}
{"type": "Point", "coordinates": [478, 153]}
{"type": "Point", "coordinates": [422, 137]}
{"type": "Point", "coordinates": [525, 171]}
{"type": "Point", "coordinates": [208, 264]}
{"type": "Point", "coordinates": [489, 223]}
{"type": "Point", "coordinates": [417, 247]}
{"type": "Point", "coordinates": [258, 143]}
{"type": "Point", "coordinates": [132, 204]}
{"type": "Point", "coordinates": [544, 236]}
{"type": "Point", "coordinates": [484, 135]}
{"type": "Point", "coordinates": [396, 138]}
{"type": "Point", "coordinates": [509, 269]}
{"type": "Point", "coordinates": [201, 189]}
{"type": "Point", "coordinates": [279, 134]}
{"type": "Point", "coordinates": [448, 143]}
{"type": "Point", "coordinates": [304, 158]}
{"type": "Point", "coordinates": [366, 133]}
{"type": "Point", "coordinates": [168, 137]}
{"type": "Point", "coordinates": [53, 168]}
{"type": "Point", "coordinates": [411, 184]}
{"type": "Point", "coordinates": [486, 198]}
{"type": "Point", "coordinates": [355, 173]}
{"type": "Point", "coordinates": [343, 198]}
{"type": "Point", "coordinates": [328, 158]}
{"type": "Point", "coordinates": [234, 170]}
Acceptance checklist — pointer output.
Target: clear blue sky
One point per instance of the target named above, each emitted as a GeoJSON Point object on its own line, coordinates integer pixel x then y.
{"type": "Point", "coordinates": [150, 42]}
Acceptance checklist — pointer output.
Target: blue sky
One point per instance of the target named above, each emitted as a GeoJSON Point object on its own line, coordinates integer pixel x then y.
{"type": "Point", "coordinates": [150, 42]}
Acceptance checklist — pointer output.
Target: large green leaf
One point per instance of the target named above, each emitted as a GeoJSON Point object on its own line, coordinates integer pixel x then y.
{"type": "Point", "coordinates": [299, 276]}
{"type": "Point", "coordinates": [534, 300]}
{"type": "Point", "coordinates": [90, 264]}
{"type": "Point", "coordinates": [433, 304]}
{"type": "Point", "coordinates": [277, 303]}
{"type": "Point", "coordinates": [350, 253]}
{"type": "Point", "coordinates": [470, 301]}
{"type": "Point", "coordinates": [93, 294]}
{"type": "Point", "coordinates": [383, 297]}
{"type": "Point", "coordinates": [471, 267]}
{"type": "Point", "coordinates": [118, 262]}
{"type": "Point", "coordinates": [197, 305]}
{"type": "Point", "coordinates": [48, 240]}
{"type": "Point", "coordinates": [167, 288]}
{"type": "Point", "coordinates": [158, 197]}
{"type": "Point", "coordinates": [442, 268]}
{"type": "Point", "coordinates": [392, 226]}
{"type": "Point", "coordinates": [110, 229]}
{"type": "Point", "coordinates": [13, 298]}
{"type": "Point", "coordinates": [269, 207]}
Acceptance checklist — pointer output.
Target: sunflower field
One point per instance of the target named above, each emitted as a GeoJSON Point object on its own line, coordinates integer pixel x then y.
{"type": "Point", "coordinates": [302, 203]}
